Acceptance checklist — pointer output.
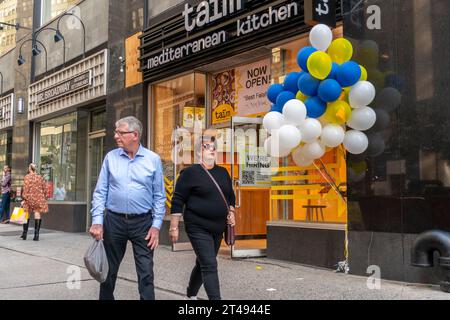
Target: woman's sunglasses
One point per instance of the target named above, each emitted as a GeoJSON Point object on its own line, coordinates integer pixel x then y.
{"type": "Point", "coordinates": [209, 147]}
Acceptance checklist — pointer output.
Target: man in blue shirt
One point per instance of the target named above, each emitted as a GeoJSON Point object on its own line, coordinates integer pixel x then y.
{"type": "Point", "coordinates": [131, 189]}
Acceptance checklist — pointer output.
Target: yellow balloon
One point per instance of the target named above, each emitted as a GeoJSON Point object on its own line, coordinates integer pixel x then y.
{"type": "Point", "coordinates": [300, 96]}
{"type": "Point", "coordinates": [340, 50]}
{"type": "Point", "coordinates": [338, 112]}
{"type": "Point", "coordinates": [319, 65]}
{"type": "Point", "coordinates": [363, 74]}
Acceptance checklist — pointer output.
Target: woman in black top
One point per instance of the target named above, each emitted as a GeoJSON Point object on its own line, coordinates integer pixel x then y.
{"type": "Point", "coordinates": [205, 215]}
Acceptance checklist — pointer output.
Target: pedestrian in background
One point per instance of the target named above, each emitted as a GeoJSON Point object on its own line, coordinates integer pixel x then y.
{"type": "Point", "coordinates": [131, 189]}
{"type": "Point", "coordinates": [205, 214]}
{"type": "Point", "coordinates": [6, 195]}
{"type": "Point", "coordinates": [34, 200]}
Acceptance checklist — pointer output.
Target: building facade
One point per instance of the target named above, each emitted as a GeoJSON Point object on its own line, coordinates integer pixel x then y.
{"type": "Point", "coordinates": [67, 66]}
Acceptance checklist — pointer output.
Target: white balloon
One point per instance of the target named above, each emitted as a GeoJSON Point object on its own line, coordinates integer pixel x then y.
{"type": "Point", "coordinates": [294, 112]}
{"type": "Point", "coordinates": [355, 142]}
{"type": "Point", "coordinates": [362, 119]}
{"type": "Point", "coordinates": [299, 158]}
{"type": "Point", "coordinates": [274, 149]}
{"type": "Point", "coordinates": [311, 129]}
{"type": "Point", "coordinates": [361, 94]}
{"type": "Point", "coordinates": [332, 135]}
{"type": "Point", "coordinates": [321, 37]}
{"type": "Point", "coordinates": [389, 99]}
{"type": "Point", "coordinates": [290, 136]}
{"type": "Point", "coordinates": [314, 150]}
{"type": "Point", "coordinates": [273, 120]}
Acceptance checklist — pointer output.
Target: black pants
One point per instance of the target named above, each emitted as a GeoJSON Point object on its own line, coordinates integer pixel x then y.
{"type": "Point", "coordinates": [206, 246]}
{"type": "Point", "coordinates": [117, 231]}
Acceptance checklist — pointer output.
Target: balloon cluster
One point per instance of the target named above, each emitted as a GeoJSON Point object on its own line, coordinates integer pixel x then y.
{"type": "Point", "coordinates": [312, 108]}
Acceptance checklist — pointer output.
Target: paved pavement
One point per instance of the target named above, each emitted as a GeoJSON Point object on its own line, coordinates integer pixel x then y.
{"type": "Point", "coordinates": [47, 269]}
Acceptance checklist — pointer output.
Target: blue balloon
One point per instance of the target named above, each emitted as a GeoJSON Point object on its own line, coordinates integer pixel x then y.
{"type": "Point", "coordinates": [348, 73]}
{"type": "Point", "coordinates": [291, 81]}
{"type": "Point", "coordinates": [329, 90]}
{"type": "Point", "coordinates": [273, 92]}
{"type": "Point", "coordinates": [276, 109]}
{"type": "Point", "coordinates": [334, 70]}
{"type": "Point", "coordinates": [315, 107]}
{"type": "Point", "coordinates": [308, 85]}
{"type": "Point", "coordinates": [303, 55]}
{"type": "Point", "coordinates": [284, 97]}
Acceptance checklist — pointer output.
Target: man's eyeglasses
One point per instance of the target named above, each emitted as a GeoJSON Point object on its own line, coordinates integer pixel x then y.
{"type": "Point", "coordinates": [209, 147]}
{"type": "Point", "coordinates": [121, 133]}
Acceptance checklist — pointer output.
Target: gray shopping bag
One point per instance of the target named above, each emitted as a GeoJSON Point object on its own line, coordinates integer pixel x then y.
{"type": "Point", "coordinates": [96, 261]}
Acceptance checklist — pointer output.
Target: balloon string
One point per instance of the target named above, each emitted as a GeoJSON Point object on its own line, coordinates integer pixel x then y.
{"type": "Point", "coordinates": [330, 180]}
{"type": "Point", "coordinates": [336, 187]}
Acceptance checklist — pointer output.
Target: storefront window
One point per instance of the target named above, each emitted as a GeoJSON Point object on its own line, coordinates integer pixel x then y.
{"type": "Point", "coordinates": [5, 149]}
{"type": "Point", "coordinates": [156, 7]}
{"type": "Point", "coordinates": [60, 154]}
{"type": "Point", "coordinates": [179, 112]}
{"type": "Point", "coordinates": [98, 120]}
{"type": "Point", "coordinates": [315, 193]}
{"type": "Point", "coordinates": [52, 8]}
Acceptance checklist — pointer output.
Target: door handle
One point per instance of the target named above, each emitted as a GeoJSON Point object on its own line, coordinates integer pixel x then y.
{"type": "Point", "coordinates": [237, 187]}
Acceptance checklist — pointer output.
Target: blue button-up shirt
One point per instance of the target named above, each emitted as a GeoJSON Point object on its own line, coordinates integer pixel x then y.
{"type": "Point", "coordinates": [130, 186]}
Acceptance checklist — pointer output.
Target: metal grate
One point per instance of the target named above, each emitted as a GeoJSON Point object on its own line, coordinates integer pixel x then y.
{"type": "Point", "coordinates": [7, 111]}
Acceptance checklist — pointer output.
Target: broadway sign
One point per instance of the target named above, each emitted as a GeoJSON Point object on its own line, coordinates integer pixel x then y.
{"type": "Point", "coordinates": [81, 81]}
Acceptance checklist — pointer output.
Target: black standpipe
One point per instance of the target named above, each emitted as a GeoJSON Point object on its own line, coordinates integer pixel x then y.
{"type": "Point", "coordinates": [423, 249]}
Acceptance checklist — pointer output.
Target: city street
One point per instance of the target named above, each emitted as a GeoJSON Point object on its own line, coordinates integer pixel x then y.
{"type": "Point", "coordinates": [48, 269]}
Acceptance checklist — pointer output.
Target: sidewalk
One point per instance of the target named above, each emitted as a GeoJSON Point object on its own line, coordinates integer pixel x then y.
{"type": "Point", "coordinates": [39, 270]}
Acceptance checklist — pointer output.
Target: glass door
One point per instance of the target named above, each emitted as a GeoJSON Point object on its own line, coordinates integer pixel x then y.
{"type": "Point", "coordinates": [251, 172]}
{"type": "Point", "coordinates": [95, 157]}
{"type": "Point", "coordinates": [179, 115]}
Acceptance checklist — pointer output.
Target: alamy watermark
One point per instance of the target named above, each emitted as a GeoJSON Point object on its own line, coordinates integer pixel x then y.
{"type": "Point", "coordinates": [73, 281]}
{"type": "Point", "coordinates": [374, 280]}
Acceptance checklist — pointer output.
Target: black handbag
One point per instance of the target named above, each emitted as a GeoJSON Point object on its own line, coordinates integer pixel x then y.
{"type": "Point", "coordinates": [229, 233]}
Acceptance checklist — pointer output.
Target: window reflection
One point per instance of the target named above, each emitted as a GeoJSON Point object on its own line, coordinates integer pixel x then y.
{"type": "Point", "coordinates": [317, 195]}
{"type": "Point", "coordinates": [5, 148]}
{"type": "Point", "coordinates": [58, 155]}
{"type": "Point", "coordinates": [156, 7]}
{"type": "Point", "coordinates": [177, 104]}
{"type": "Point", "coordinates": [53, 8]}
{"type": "Point", "coordinates": [8, 14]}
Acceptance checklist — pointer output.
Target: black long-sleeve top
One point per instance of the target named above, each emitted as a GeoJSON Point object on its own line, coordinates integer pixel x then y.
{"type": "Point", "coordinates": [197, 194]}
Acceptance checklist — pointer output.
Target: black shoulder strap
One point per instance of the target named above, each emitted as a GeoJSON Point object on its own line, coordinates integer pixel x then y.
{"type": "Point", "coordinates": [217, 185]}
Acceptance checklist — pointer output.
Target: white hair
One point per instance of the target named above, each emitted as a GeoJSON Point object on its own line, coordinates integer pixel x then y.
{"type": "Point", "coordinates": [133, 124]}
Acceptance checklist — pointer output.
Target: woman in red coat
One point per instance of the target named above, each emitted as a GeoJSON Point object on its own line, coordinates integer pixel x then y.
{"type": "Point", "coordinates": [34, 200]}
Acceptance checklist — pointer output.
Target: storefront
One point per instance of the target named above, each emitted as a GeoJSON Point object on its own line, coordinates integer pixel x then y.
{"type": "Point", "coordinates": [68, 115]}
{"type": "Point", "coordinates": [212, 73]}
{"type": "Point", "coordinates": [7, 103]}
